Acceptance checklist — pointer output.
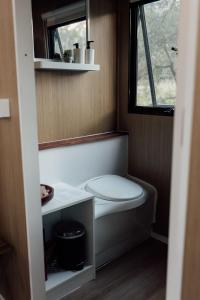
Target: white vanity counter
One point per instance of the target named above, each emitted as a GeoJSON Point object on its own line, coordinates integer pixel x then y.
{"type": "Point", "coordinates": [65, 196]}
{"type": "Point", "coordinates": [69, 203]}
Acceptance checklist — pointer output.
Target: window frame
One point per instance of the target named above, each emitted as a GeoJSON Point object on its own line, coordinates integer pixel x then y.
{"type": "Point", "coordinates": [165, 110]}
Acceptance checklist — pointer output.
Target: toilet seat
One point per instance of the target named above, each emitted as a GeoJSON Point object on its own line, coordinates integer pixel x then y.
{"type": "Point", "coordinates": [114, 188]}
{"type": "Point", "coordinates": [124, 195]}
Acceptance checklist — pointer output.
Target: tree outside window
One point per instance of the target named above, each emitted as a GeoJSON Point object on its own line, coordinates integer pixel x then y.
{"type": "Point", "coordinates": [153, 64]}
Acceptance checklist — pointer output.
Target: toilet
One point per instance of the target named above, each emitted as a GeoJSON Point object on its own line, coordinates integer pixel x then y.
{"type": "Point", "coordinates": [114, 193]}
{"type": "Point", "coordinates": [124, 213]}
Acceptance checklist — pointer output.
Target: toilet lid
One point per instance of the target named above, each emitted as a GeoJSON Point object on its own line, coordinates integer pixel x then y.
{"type": "Point", "coordinates": [114, 188]}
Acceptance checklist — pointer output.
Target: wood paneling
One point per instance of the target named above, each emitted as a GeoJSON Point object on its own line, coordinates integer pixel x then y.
{"type": "Point", "coordinates": [4, 248]}
{"type": "Point", "coordinates": [12, 210]}
{"type": "Point", "coordinates": [81, 140]}
{"type": "Point", "coordinates": [5, 252]}
{"type": "Point", "coordinates": [76, 104]}
{"type": "Point", "coordinates": [150, 137]}
{"type": "Point", "coordinates": [191, 272]}
{"type": "Point", "coordinates": [150, 147]}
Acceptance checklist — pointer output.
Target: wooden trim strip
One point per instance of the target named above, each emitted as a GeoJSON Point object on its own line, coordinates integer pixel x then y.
{"type": "Point", "coordinates": [81, 140]}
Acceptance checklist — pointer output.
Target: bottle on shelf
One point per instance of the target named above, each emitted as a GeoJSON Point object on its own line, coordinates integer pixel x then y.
{"type": "Point", "coordinates": [79, 57]}
{"type": "Point", "coordinates": [89, 53]}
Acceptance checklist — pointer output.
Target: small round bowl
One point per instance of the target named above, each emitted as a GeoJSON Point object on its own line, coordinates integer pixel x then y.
{"type": "Point", "coordinates": [50, 195]}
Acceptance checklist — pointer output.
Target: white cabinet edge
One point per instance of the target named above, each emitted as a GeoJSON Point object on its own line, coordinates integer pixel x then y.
{"type": "Point", "coordinates": [69, 196]}
{"type": "Point", "coordinates": [45, 64]}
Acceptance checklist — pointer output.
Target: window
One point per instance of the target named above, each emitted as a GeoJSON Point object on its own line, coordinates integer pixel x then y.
{"type": "Point", "coordinates": [153, 53]}
{"type": "Point", "coordinates": [63, 37]}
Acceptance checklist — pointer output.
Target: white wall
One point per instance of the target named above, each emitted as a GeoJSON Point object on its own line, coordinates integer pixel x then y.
{"type": "Point", "coordinates": [78, 163]}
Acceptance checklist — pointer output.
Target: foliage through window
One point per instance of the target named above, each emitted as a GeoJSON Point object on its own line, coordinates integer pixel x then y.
{"type": "Point", "coordinates": [153, 53]}
{"type": "Point", "coordinates": [63, 37]}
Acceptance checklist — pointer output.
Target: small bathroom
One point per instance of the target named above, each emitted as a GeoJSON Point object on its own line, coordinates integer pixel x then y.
{"type": "Point", "coordinates": [93, 137]}
{"type": "Point", "coordinates": [97, 83]}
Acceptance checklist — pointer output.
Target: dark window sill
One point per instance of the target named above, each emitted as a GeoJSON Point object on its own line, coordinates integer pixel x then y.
{"type": "Point", "coordinates": [160, 111]}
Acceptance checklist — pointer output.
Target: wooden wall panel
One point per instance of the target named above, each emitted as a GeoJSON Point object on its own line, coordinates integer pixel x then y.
{"type": "Point", "coordinates": [191, 270]}
{"type": "Point", "coordinates": [76, 104]}
{"type": "Point", "coordinates": [12, 210]}
{"type": "Point", "coordinates": [150, 137]}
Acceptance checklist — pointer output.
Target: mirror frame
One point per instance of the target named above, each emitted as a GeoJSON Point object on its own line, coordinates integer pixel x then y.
{"type": "Point", "coordinates": [88, 32]}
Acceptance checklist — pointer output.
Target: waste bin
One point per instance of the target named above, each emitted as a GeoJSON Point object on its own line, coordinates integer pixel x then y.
{"type": "Point", "coordinates": [71, 245]}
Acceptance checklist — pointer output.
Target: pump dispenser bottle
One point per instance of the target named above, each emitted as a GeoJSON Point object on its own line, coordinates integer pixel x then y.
{"type": "Point", "coordinates": [89, 53]}
{"type": "Point", "coordinates": [79, 56]}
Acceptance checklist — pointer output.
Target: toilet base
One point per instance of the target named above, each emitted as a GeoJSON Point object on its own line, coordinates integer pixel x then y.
{"type": "Point", "coordinates": [116, 251]}
{"type": "Point", "coordinates": [117, 233]}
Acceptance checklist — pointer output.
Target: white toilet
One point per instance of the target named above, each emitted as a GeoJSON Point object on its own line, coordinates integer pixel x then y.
{"type": "Point", "coordinates": [124, 213]}
{"type": "Point", "coordinates": [114, 194]}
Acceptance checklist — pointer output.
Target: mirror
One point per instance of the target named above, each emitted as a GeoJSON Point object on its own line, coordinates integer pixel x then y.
{"type": "Point", "coordinates": [58, 25]}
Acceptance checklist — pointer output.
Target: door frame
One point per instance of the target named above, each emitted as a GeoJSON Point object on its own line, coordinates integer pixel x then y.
{"type": "Point", "coordinates": [22, 23]}
{"type": "Point", "coordinates": [188, 41]}
{"type": "Point", "coordinates": [187, 61]}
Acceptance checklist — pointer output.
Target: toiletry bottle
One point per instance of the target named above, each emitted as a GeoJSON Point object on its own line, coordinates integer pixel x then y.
{"type": "Point", "coordinates": [79, 56]}
{"type": "Point", "coordinates": [89, 53]}
{"type": "Point", "coordinates": [68, 56]}
{"type": "Point", "coordinates": [76, 53]}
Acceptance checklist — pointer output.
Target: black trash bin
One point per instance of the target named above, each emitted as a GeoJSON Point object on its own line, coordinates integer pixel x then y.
{"type": "Point", "coordinates": [71, 245]}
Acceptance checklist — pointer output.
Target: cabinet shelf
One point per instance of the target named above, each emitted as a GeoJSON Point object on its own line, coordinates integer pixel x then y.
{"type": "Point", "coordinates": [69, 203]}
{"type": "Point", "coordinates": [65, 196]}
{"type": "Point", "coordinates": [67, 281]}
{"type": "Point", "coordinates": [46, 64]}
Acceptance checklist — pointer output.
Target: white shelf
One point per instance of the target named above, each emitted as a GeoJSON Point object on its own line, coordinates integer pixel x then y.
{"type": "Point", "coordinates": [46, 64]}
{"type": "Point", "coordinates": [65, 196]}
{"type": "Point", "coordinates": [74, 203]}
{"type": "Point", "coordinates": [56, 279]}
{"type": "Point", "coordinates": [60, 284]}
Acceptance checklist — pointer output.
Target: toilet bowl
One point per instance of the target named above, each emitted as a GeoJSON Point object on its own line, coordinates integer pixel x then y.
{"type": "Point", "coordinates": [125, 210]}
{"type": "Point", "coordinates": [114, 193]}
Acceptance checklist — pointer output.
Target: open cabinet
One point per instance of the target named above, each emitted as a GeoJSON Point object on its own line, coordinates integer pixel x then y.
{"type": "Point", "coordinates": [77, 206]}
